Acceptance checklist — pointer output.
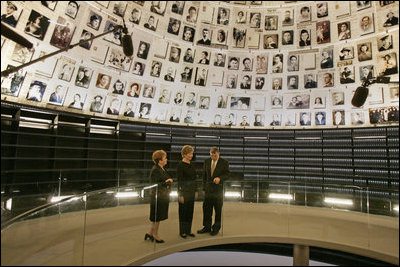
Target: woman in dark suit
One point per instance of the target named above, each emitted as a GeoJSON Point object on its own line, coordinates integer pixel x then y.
{"type": "Point", "coordinates": [187, 191]}
{"type": "Point", "coordinates": [159, 202]}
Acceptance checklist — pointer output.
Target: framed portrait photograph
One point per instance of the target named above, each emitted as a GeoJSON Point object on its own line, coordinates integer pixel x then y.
{"type": "Point", "coordinates": [287, 37]}
{"type": "Point", "coordinates": [219, 59]}
{"type": "Point", "coordinates": [305, 38]}
{"type": "Point", "coordinates": [245, 82]}
{"type": "Point", "coordinates": [175, 115]}
{"type": "Point", "coordinates": [310, 81]}
{"type": "Point", "coordinates": [363, 5]}
{"type": "Point", "coordinates": [290, 118]}
{"type": "Point", "coordinates": [10, 12]}
{"type": "Point", "coordinates": [178, 97]}
{"type": "Point", "coordinates": [292, 82]}
{"type": "Point", "coordinates": [276, 83]}
{"type": "Point", "coordinates": [113, 37]}
{"type": "Point", "coordinates": [134, 89]}
{"type": "Point", "coordinates": [49, 4]}
{"type": "Point", "coordinates": [174, 54]}
{"type": "Point", "coordinates": [319, 102]}
{"type": "Point", "coordinates": [271, 23]}
{"type": "Point", "coordinates": [323, 32]}
{"type": "Point", "coordinates": [37, 25]}
{"type": "Point", "coordinates": [130, 108]}
{"type": "Point", "coordinates": [119, 8]}
{"type": "Point", "coordinates": [366, 24]}
{"type": "Point", "coordinates": [143, 50]}
{"type": "Point", "coordinates": [204, 57]}
{"type": "Point", "coordinates": [239, 37]}
{"type": "Point", "coordinates": [344, 31]}
{"type": "Point", "coordinates": [322, 9]}
{"type": "Point", "coordinates": [174, 26]}
{"type": "Point", "coordinates": [262, 64]}
{"type": "Point", "coordinates": [72, 9]}
{"type": "Point", "coordinates": [62, 34]}
{"type": "Point", "coordinates": [191, 14]}
{"type": "Point", "coordinates": [221, 37]}
{"type": "Point", "coordinates": [94, 20]}
{"type": "Point", "coordinates": [346, 52]}
{"type": "Point", "coordinates": [346, 74]}
{"type": "Point", "coordinates": [233, 63]}
{"type": "Point", "coordinates": [97, 103]}
{"type": "Point", "coordinates": [103, 81]}
{"type": "Point", "coordinates": [83, 77]}
{"type": "Point", "coordinates": [247, 64]}
{"type": "Point", "coordinates": [259, 83]}
{"type": "Point", "coordinates": [149, 91]}
{"type": "Point", "coordinates": [201, 76]}
{"type": "Point", "coordinates": [223, 16]}
{"type": "Point", "coordinates": [36, 91]}
{"type": "Point", "coordinates": [151, 23]}
{"type": "Point", "coordinates": [240, 103]}
{"type": "Point", "coordinates": [357, 117]}
{"type": "Point", "coordinates": [297, 101]}
{"type": "Point", "coordinates": [117, 59]}
{"type": "Point", "coordinates": [21, 54]}
{"type": "Point", "coordinates": [305, 118]}
{"type": "Point", "coordinates": [276, 101]}
{"type": "Point", "coordinates": [113, 105]}
{"type": "Point", "coordinates": [394, 94]}
{"type": "Point", "coordinates": [135, 15]}
{"type": "Point", "coordinates": [57, 96]}
{"type": "Point", "coordinates": [304, 13]}
{"type": "Point", "coordinates": [177, 7]}
{"type": "Point", "coordinates": [277, 63]}
{"type": "Point", "coordinates": [270, 41]}
{"type": "Point", "coordinates": [191, 100]}
{"type": "Point", "coordinates": [337, 98]}
{"type": "Point", "coordinates": [320, 118]}
{"type": "Point", "coordinates": [259, 120]}
{"type": "Point", "coordinates": [293, 62]}
{"type": "Point", "coordinates": [338, 117]}
{"type": "Point", "coordinates": [158, 7]}
{"type": "Point", "coordinates": [255, 20]}
{"type": "Point", "coordinates": [144, 110]}
{"type": "Point", "coordinates": [169, 76]}
{"type": "Point", "coordinates": [186, 74]}
{"type": "Point", "coordinates": [165, 96]}
{"type": "Point", "coordinates": [276, 119]}
{"type": "Point", "coordinates": [118, 87]}
{"type": "Point", "coordinates": [385, 43]}
{"type": "Point", "coordinates": [11, 85]}
{"type": "Point", "coordinates": [366, 72]}
{"type": "Point", "coordinates": [221, 101]}
{"type": "Point", "coordinates": [188, 34]}
{"type": "Point", "coordinates": [231, 81]}
{"type": "Point", "coordinates": [204, 102]}
{"type": "Point", "coordinates": [364, 51]}
{"type": "Point", "coordinates": [288, 17]}
{"type": "Point", "coordinates": [326, 79]}
{"type": "Point", "coordinates": [84, 37]}
{"type": "Point", "coordinates": [241, 16]}
{"type": "Point", "coordinates": [387, 64]}
{"type": "Point", "coordinates": [155, 69]}
{"type": "Point", "coordinates": [65, 68]}
{"type": "Point", "coordinates": [391, 19]}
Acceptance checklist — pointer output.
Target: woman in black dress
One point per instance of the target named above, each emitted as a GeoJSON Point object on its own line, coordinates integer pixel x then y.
{"type": "Point", "coordinates": [159, 196]}
{"type": "Point", "coordinates": [187, 191]}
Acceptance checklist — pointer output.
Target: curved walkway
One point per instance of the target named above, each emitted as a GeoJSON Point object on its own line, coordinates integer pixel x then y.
{"type": "Point", "coordinates": [114, 236]}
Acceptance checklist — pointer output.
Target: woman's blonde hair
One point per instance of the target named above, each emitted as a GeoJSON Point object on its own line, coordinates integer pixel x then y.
{"type": "Point", "coordinates": [158, 155]}
{"type": "Point", "coordinates": [187, 149]}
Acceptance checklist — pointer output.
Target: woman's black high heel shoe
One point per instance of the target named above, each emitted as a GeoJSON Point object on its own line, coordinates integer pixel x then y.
{"type": "Point", "coordinates": [148, 236]}
{"type": "Point", "coordinates": [159, 240]}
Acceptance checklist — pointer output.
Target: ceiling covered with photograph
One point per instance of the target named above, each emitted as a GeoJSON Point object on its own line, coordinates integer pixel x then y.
{"type": "Point", "coordinates": [252, 64]}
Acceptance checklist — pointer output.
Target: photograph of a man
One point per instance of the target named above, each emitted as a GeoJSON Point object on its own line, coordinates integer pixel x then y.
{"type": "Point", "coordinates": [215, 172]}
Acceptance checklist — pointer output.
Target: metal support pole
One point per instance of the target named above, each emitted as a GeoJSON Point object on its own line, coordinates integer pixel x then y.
{"type": "Point", "coordinates": [301, 255]}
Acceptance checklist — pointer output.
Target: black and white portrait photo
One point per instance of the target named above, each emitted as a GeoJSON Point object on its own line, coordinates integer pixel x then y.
{"type": "Point", "coordinates": [94, 20]}
{"type": "Point", "coordinates": [72, 9]}
{"type": "Point", "coordinates": [10, 12]}
{"type": "Point", "coordinates": [37, 25]}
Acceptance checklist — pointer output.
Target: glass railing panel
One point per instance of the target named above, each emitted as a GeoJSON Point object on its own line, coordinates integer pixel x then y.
{"type": "Point", "coordinates": [52, 235]}
{"type": "Point", "coordinates": [116, 222]}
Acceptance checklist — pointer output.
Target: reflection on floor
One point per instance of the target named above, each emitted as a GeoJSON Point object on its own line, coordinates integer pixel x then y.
{"type": "Point", "coordinates": [225, 258]}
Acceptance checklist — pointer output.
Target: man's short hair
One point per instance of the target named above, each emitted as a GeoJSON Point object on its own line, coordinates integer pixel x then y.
{"type": "Point", "coordinates": [214, 150]}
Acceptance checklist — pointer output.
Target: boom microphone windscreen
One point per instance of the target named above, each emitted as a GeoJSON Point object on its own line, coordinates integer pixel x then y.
{"type": "Point", "coordinates": [13, 36]}
{"type": "Point", "coordinates": [360, 96]}
{"type": "Point", "coordinates": [127, 45]}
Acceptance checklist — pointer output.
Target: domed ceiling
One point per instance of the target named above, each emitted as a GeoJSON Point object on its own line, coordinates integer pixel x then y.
{"type": "Point", "coordinates": [252, 64]}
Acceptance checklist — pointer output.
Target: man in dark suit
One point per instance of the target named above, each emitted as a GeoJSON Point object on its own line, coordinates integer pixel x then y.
{"type": "Point", "coordinates": [215, 172]}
